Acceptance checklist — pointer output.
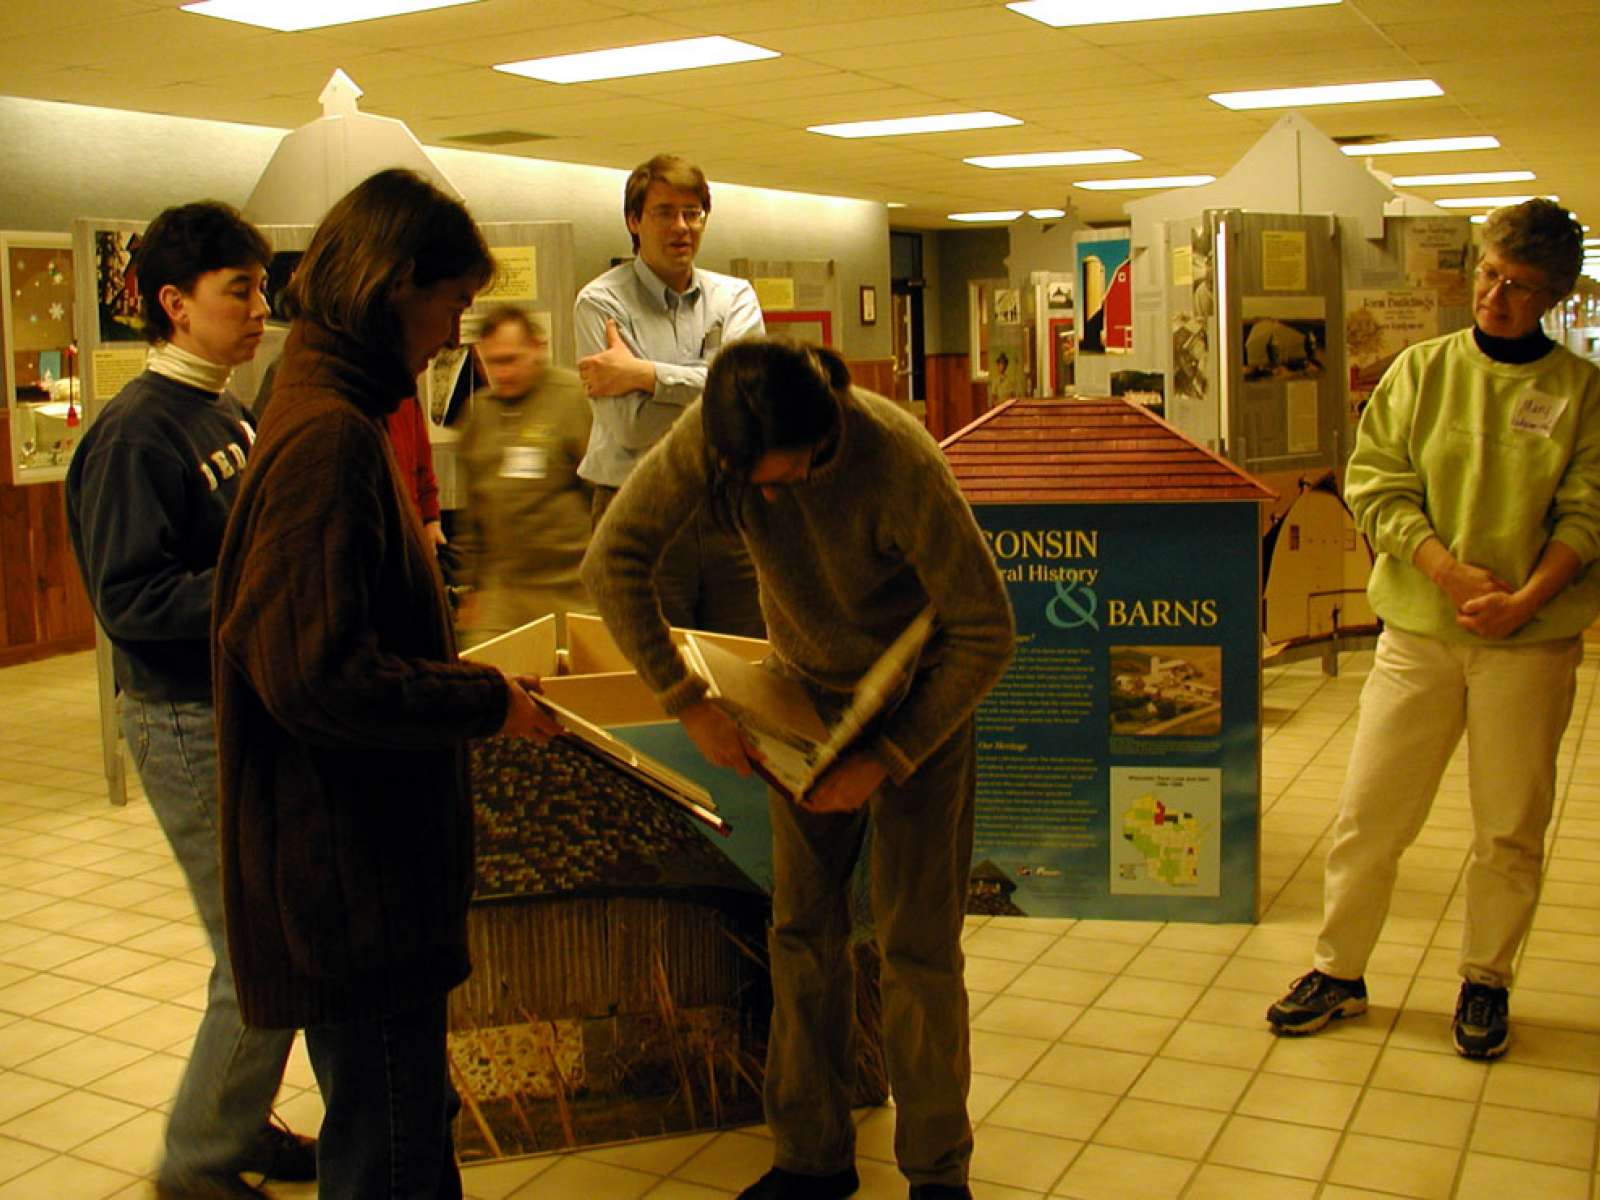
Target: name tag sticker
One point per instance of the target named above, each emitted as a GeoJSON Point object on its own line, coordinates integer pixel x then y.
{"type": "Point", "coordinates": [525, 462]}
{"type": "Point", "coordinates": [1537, 412]}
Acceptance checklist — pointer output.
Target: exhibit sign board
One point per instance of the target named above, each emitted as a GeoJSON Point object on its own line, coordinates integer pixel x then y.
{"type": "Point", "coordinates": [1119, 757]}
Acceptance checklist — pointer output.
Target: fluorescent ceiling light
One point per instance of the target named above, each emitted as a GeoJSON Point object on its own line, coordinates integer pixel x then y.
{"type": "Point", "coordinates": [1082, 12]}
{"type": "Point", "coordinates": [289, 16]}
{"type": "Point", "coordinates": [1421, 146]}
{"type": "Point", "coordinates": [943, 123]}
{"type": "Point", "coordinates": [652, 58]}
{"type": "Point", "coordinates": [1479, 220]}
{"type": "Point", "coordinates": [1008, 215]}
{"type": "Point", "coordinates": [1047, 214]}
{"type": "Point", "coordinates": [1152, 181]}
{"type": "Point", "coordinates": [1340, 93]}
{"type": "Point", "coordinates": [1482, 201]}
{"type": "Point", "coordinates": [1461, 177]}
{"type": "Point", "coordinates": [1052, 158]}
{"type": "Point", "coordinates": [1591, 241]}
{"type": "Point", "coordinates": [894, 203]}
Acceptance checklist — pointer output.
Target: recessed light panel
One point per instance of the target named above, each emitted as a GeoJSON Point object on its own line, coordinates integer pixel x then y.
{"type": "Point", "coordinates": [1135, 185]}
{"type": "Point", "coordinates": [652, 58]}
{"type": "Point", "coordinates": [1462, 177]}
{"type": "Point", "coordinates": [290, 16]}
{"type": "Point", "coordinates": [1342, 93]}
{"type": "Point", "coordinates": [1010, 214]}
{"type": "Point", "coordinates": [1061, 13]}
{"type": "Point", "coordinates": [1482, 201]}
{"type": "Point", "coordinates": [1047, 214]}
{"type": "Point", "coordinates": [898, 126]}
{"type": "Point", "coordinates": [1052, 158]}
{"type": "Point", "coordinates": [1421, 146]}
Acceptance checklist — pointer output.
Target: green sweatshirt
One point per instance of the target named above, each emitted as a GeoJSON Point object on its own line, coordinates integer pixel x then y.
{"type": "Point", "coordinates": [526, 523]}
{"type": "Point", "coordinates": [844, 561]}
{"type": "Point", "coordinates": [1494, 459]}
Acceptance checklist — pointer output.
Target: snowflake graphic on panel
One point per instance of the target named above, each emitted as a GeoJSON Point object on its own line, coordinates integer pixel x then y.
{"type": "Point", "coordinates": [57, 311]}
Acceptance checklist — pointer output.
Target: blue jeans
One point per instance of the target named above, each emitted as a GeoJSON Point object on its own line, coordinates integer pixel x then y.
{"type": "Point", "coordinates": [389, 1107]}
{"type": "Point", "coordinates": [225, 1097]}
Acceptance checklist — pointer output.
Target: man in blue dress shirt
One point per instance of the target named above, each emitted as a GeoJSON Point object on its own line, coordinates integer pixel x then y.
{"type": "Point", "coordinates": [646, 331]}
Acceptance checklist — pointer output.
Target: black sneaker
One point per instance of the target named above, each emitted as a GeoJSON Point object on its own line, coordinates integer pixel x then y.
{"type": "Point", "coordinates": [1314, 1000]}
{"type": "Point", "coordinates": [1481, 1029]}
{"type": "Point", "coordinates": [778, 1184]}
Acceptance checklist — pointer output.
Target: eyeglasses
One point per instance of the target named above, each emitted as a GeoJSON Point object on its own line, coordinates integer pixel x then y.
{"type": "Point", "coordinates": [1514, 289]}
{"type": "Point", "coordinates": [668, 214]}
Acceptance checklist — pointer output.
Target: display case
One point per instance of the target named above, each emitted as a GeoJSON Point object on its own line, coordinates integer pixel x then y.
{"type": "Point", "coordinates": [43, 386]}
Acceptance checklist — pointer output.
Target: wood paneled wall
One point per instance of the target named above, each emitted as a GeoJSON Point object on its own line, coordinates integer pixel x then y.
{"type": "Point", "coordinates": [44, 609]}
{"type": "Point", "coordinates": [874, 374]}
{"type": "Point", "coordinates": [954, 400]}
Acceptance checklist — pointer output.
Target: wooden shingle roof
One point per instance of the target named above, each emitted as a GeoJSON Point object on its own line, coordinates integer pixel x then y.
{"type": "Point", "coordinates": [1087, 450]}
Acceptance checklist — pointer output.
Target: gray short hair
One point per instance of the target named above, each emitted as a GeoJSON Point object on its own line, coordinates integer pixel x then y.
{"type": "Point", "coordinates": [1539, 233]}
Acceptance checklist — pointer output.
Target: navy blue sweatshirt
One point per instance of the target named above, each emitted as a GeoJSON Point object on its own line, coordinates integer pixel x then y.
{"type": "Point", "coordinates": [148, 495]}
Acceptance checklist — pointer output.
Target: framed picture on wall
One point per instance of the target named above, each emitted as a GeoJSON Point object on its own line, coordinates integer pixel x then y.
{"type": "Point", "coordinates": [815, 326]}
{"type": "Point", "coordinates": [869, 304]}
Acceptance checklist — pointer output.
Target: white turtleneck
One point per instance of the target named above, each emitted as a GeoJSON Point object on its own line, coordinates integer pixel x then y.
{"type": "Point", "coordinates": [187, 367]}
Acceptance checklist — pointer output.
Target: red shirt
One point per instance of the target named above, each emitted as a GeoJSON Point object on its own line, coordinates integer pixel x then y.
{"type": "Point", "coordinates": [408, 432]}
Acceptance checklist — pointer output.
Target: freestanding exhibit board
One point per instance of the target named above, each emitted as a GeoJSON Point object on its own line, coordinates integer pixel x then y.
{"type": "Point", "coordinates": [1119, 759]}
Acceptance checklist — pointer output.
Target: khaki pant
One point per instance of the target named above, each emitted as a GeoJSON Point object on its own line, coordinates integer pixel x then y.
{"type": "Point", "coordinates": [705, 579]}
{"type": "Point", "coordinates": [1513, 702]}
{"type": "Point", "coordinates": [919, 858]}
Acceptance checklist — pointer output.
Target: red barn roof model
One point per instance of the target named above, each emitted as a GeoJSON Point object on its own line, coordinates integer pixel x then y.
{"type": "Point", "coordinates": [1088, 450]}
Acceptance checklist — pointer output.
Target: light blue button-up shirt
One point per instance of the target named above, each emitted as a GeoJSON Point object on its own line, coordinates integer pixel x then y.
{"type": "Point", "coordinates": [679, 332]}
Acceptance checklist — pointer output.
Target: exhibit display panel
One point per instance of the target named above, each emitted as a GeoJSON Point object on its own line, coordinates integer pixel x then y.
{"type": "Point", "coordinates": [1119, 756]}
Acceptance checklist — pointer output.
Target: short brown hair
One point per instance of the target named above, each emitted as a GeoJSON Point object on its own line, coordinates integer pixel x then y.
{"type": "Point", "coordinates": [184, 243]}
{"type": "Point", "coordinates": [1539, 233]}
{"type": "Point", "coordinates": [669, 169]}
{"type": "Point", "coordinates": [510, 314]}
{"type": "Point", "coordinates": [392, 224]}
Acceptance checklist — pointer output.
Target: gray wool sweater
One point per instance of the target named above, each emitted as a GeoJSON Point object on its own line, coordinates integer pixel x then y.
{"type": "Point", "coordinates": [845, 561]}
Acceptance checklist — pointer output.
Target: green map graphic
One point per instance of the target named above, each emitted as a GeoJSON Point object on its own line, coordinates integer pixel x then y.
{"type": "Point", "coordinates": [1168, 840]}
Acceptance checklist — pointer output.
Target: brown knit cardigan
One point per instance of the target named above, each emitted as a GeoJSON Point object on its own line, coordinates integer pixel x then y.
{"type": "Point", "coordinates": [346, 826]}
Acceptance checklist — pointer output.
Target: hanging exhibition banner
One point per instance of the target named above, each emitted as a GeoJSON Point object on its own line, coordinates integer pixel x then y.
{"type": "Point", "coordinates": [1119, 757]}
{"type": "Point", "coordinates": [1105, 296]}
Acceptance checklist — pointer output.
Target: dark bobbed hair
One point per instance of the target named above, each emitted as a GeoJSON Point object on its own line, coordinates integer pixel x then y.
{"type": "Point", "coordinates": [669, 169]}
{"type": "Point", "coordinates": [184, 243]}
{"type": "Point", "coordinates": [510, 314]}
{"type": "Point", "coordinates": [390, 224]}
{"type": "Point", "coordinates": [1539, 233]}
{"type": "Point", "coordinates": [766, 393]}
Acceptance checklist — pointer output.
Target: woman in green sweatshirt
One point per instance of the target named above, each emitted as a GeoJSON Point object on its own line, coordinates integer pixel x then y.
{"type": "Point", "coordinates": [855, 525]}
{"type": "Point", "coordinates": [1476, 477]}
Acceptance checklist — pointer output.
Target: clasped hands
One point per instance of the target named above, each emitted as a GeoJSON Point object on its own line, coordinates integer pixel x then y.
{"type": "Point", "coordinates": [1485, 605]}
{"type": "Point", "coordinates": [843, 788]}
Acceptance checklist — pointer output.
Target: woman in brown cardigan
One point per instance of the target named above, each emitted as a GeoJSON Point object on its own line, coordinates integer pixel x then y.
{"type": "Point", "coordinates": [341, 708]}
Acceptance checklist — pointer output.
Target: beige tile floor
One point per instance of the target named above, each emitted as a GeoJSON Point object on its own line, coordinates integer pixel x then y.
{"type": "Point", "coordinates": [1114, 1061]}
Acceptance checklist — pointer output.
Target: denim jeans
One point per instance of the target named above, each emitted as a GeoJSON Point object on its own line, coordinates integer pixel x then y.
{"type": "Point", "coordinates": [389, 1107]}
{"type": "Point", "coordinates": [225, 1097]}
